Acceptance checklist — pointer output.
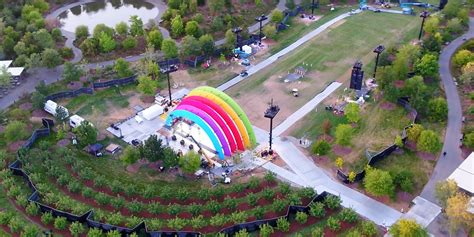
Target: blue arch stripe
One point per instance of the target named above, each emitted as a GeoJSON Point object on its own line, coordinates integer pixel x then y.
{"type": "Point", "coordinates": [201, 123]}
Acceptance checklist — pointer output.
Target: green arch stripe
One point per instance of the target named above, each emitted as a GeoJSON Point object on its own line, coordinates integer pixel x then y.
{"type": "Point", "coordinates": [235, 107]}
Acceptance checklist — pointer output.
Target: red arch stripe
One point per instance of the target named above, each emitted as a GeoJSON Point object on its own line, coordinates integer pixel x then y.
{"type": "Point", "coordinates": [228, 122]}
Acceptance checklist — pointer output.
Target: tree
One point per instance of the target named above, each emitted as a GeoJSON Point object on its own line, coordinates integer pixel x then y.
{"type": "Point", "coordinates": [76, 229]}
{"type": "Point", "coordinates": [152, 149]}
{"type": "Point", "coordinates": [121, 28]}
{"type": "Point", "coordinates": [86, 133]}
{"type": "Point", "coordinates": [290, 4]}
{"type": "Point", "coordinates": [452, 8]}
{"type": "Point", "coordinates": [438, 109]}
{"type": "Point", "coordinates": [431, 25]}
{"type": "Point", "coordinates": [130, 155]}
{"type": "Point", "coordinates": [192, 28]}
{"type": "Point", "coordinates": [82, 32]}
{"type": "Point", "coordinates": [57, 34]}
{"type": "Point", "coordinates": [146, 85]}
{"type": "Point", "coordinates": [5, 76]}
{"type": "Point", "coordinates": [190, 46]}
{"type": "Point", "coordinates": [129, 43]}
{"type": "Point", "coordinates": [407, 228]}
{"type": "Point", "coordinates": [462, 57]}
{"type": "Point", "coordinates": [15, 131]}
{"type": "Point", "coordinates": [417, 90]}
{"type": "Point", "coordinates": [427, 66]}
{"type": "Point", "coordinates": [339, 162]}
{"type": "Point", "coordinates": [352, 112]}
{"type": "Point", "coordinates": [469, 140]}
{"type": "Point", "coordinates": [216, 6]}
{"type": "Point", "coordinates": [378, 182]}
{"type": "Point", "coordinates": [61, 114]}
{"type": "Point", "coordinates": [404, 180]}
{"type": "Point", "coordinates": [71, 72]}
{"type": "Point", "coordinates": [444, 190]}
{"type": "Point", "coordinates": [413, 132]}
{"type": "Point", "coordinates": [122, 68]}
{"type": "Point", "coordinates": [269, 31]}
{"type": "Point", "coordinates": [136, 26]}
{"type": "Point", "coordinates": [454, 26]}
{"type": "Point", "coordinates": [43, 39]}
{"type": "Point", "coordinates": [155, 38]}
{"type": "Point", "coordinates": [106, 42]}
{"type": "Point", "coordinates": [51, 58]}
{"type": "Point", "coordinates": [89, 47]}
{"type": "Point", "coordinates": [457, 212]}
{"type": "Point", "coordinates": [321, 147]}
{"type": "Point", "coordinates": [344, 134]}
{"type": "Point", "coordinates": [207, 44]}
{"type": "Point", "coordinates": [190, 162]}
{"type": "Point", "coordinates": [277, 16]}
{"type": "Point", "coordinates": [169, 48]}
{"type": "Point", "coordinates": [177, 28]}
{"type": "Point", "coordinates": [170, 159]}
{"type": "Point", "coordinates": [230, 39]}
{"type": "Point", "coordinates": [98, 29]}
{"type": "Point", "coordinates": [429, 142]}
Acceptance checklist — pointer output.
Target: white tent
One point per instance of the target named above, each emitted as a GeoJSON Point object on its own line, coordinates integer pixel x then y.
{"type": "Point", "coordinates": [464, 174]}
{"type": "Point", "coordinates": [247, 49]}
{"type": "Point", "coordinates": [5, 63]}
{"type": "Point", "coordinates": [152, 112]}
{"type": "Point", "coordinates": [15, 71]}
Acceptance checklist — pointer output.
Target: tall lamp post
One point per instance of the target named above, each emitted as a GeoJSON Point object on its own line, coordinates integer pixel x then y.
{"type": "Point", "coordinates": [313, 6]}
{"type": "Point", "coordinates": [167, 70]}
{"type": "Point", "coordinates": [378, 51]}
{"type": "Point", "coordinates": [270, 113]}
{"type": "Point", "coordinates": [237, 31]}
{"type": "Point", "coordinates": [260, 19]}
{"type": "Point", "coordinates": [424, 15]}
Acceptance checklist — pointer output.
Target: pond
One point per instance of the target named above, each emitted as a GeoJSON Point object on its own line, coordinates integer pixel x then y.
{"type": "Point", "coordinates": [108, 12]}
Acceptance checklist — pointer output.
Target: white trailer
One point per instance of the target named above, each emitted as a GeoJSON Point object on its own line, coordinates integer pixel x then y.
{"type": "Point", "coordinates": [75, 120]}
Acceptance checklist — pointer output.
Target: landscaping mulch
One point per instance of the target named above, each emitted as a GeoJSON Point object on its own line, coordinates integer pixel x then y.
{"type": "Point", "coordinates": [26, 106]}
{"type": "Point", "coordinates": [63, 142]}
{"type": "Point", "coordinates": [39, 113]}
{"type": "Point", "coordinates": [321, 159]}
{"type": "Point", "coordinates": [399, 84]}
{"type": "Point", "coordinates": [388, 106]}
{"type": "Point", "coordinates": [14, 146]}
{"type": "Point", "coordinates": [341, 150]}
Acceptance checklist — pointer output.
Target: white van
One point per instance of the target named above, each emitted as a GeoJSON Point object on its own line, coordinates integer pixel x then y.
{"type": "Point", "coordinates": [75, 121]}
{"type": "Point", "coordinates": [50, 107]}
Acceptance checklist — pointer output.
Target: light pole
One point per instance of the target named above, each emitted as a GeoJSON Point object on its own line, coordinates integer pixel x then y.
{"type": "Point", "coordinates": [424, 15]}
{"type": "Point", "coordinates": [313, 6]}
{"type": "Point", "coordinates": [237, 31]}
{"type": "Point", "coordinates": [378, 51]}
{"type": "Point", "coordinates": [270, 113]}
{"type": "Point", "coordinates": [260, 19]}
{"type": "Point", "coordinates": [167, 70]}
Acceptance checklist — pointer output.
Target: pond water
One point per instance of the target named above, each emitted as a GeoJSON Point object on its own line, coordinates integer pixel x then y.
{"type": "Point", "coordinates": [108, 12]}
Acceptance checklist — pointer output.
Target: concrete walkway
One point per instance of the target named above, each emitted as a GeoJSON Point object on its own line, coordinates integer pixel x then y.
{"type": "Point", "coordinates": [308, 107]}
{"type": "Point", "coordinates": [254, 69]}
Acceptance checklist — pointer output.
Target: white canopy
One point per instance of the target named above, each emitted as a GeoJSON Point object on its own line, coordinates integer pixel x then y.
{"type": "Point", "coordinates": [5, 63]}
{"type": "Point", "coordinates": [464, 174]}
{"type": "Point", "coordinates": [15, 71]}
{"type": "Point", "coordinates": [247, 49]}
{"type": "Point", "coordinates": [152, 112]}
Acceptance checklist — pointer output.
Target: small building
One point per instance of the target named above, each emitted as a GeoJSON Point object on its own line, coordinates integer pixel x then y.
{"type": "Point", "coordinates": [113, 148]}
{"type": "Point", "coordinates": [75, 120]}
{"type": "Point", "coordinates": [16, 72]}
{"type": "Point", "coordinates": [464, 175]}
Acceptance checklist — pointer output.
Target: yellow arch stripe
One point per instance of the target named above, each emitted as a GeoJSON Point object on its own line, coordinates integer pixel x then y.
{"type": "Point", "coordinates": [227, 109]}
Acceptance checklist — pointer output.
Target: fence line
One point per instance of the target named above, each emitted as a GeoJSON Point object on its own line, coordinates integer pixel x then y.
{"type": "Point", "coordinates": [404, 102]}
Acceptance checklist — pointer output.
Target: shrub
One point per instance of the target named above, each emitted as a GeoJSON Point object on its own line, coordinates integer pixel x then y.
{"type": "Point", "coordinates": [237, 188]}
{"type": "Point", "coordinates": [317, 232]}
{"type": "Point", "coordinates": [279, 205]}
{"type": "Point", "coordinates": [316, 209]}
{"type": "Point", "coordinates": [94, 232]}
{"type": "Point", "coordinates": [204, 194]}
{"type": "Point", "coordinates": [266, 230]}
{"type": "Point", "coordinates": [344, 134]}
{"type": "Point", "coordinates": [270, 177]}
{"type": "Point", "coordinates": [283, 224]}
{"type": "Point", "coordinates": [198, 222]}
{"type": "Point", "coordinates": [213, 206]}
{"type": "Point", "coordinates": [47, 218]}
{"type": "Point", "coordinates": [254, 182]}
{"type": "Point", "coordinates": [378, 182]}
{"type": "Point", "coordinates": [5, 217]}
{"type": "Point", "coordinates": [294, 199]}
{"type": "Point", "coordinates": [348, 215]}
{"type": "Point", "coordinates": [301, 217]}
{"type": "Point", "coordinates": [15, 131]}
{"type": "Point", "coordinates": [284, 188]}
{"type": "Point", "coordinates": [155, 208]}
{"type": "Point", "coordinates": [60, 223]}
{"type": "Point", "coordinates": [130, 190]}
{"type": "Point", "coordinates": [242, 233]}
{"type": "Point", "coordinates": [252, 199]}
{"type": "Point", "coordinates": [307, 192]}
{"type": "Point", "coordinates": [194, 209]}
{"type": "Point", "coordinates": [154, 224]}
{"type": "Point", "coordinates": [218, 192]}
{"type": "Point", "coordinates": [230, 203]}
{"type": "Point", "coordinates": [15, 224]}
{"type": "Point", "coordinates": [268, 194]}
{"type": "Point", "coordinates": [429, 142]}
{"type": "Point", "coordinates": [218, 220]}
{"type": "Point", "coordinates": [117, 202]}
{"type": "Point", "coordinates": [404, 227]}
{"type": "Point", "coordinates": [404, 179]}
{"type": "Point", "coordinates": [129, 43]}
{"type": "Point", "coordinates": [183, 194]}
{"type": "Point", "coordinates": [133, 221]}
{"type": "Point", "coordinates": [167, 193]}
{"type": "Point", "coordinates": [259, 213]}
{"type": "Point", "coordinates": [238, 217]}
{"type": "Point", "coordinates": [174, 209]}
{"type": "Point", "coordinates": [100, 181]}
{"type": "Point", "coordinates": [76, 229]}
{"type": "Point", "coordinates": [321, 147]}
{"type": "Point", "coordinates": [332, 202]}
{"type": "Point", "coordinates": [32, 209]}
{"type": "Point", "coordinates": [30, 231]}
{"type": "Point", "coordinates": [74, 187]}
{"type": "Point", "coordinates": [368, 228]}
{"type": "Point", "coordinates": [114, 219]}
{"type": "Point", "coordinates": [333, 223]}
{"type": "Point", "coordinates": [22, 200]}
{"type": "Point", "coordinates": [102, 198]}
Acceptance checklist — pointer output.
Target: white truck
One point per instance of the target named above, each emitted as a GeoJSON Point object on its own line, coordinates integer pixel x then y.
{"type": "Point", "coordinates": [75, 120]}
{"type": "Point", "coordinates": [51, 106]}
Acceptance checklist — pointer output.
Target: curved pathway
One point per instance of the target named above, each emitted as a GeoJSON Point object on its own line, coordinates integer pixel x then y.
{"type": "Point", "coordinates": [447, 164]}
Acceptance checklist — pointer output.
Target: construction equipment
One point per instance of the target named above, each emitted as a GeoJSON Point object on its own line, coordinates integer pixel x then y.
{"type": "Point", "coordinates": [210, 162]}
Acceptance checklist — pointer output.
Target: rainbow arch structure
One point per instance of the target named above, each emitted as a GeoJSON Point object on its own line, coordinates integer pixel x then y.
{"type": "Point", "coordinates": [219, 116]}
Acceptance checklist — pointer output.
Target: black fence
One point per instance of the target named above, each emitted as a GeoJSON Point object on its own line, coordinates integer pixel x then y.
{"type": "Point", "coordinates": [68, 94]}
{"type": "Point", "coordinates": [87, 218]}
{"type": "Point", "coordinates": [116, 82]}
{"type": "Point", "coordinates": [372, 159]}
{"type": "Point", "coordinates": [195, 62]}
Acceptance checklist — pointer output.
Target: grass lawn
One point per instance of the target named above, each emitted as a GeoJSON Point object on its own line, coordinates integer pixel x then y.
{"type": "Point", "coordinates": [328, 57]}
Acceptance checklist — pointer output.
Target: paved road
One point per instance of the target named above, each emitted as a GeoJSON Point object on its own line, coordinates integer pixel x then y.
{"type": "Point", "coordinates": [254, 69]}
{"type": "Point", "coordinates": [308, 107]}
{"type": "Point", "coordinates": [446, 165]}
